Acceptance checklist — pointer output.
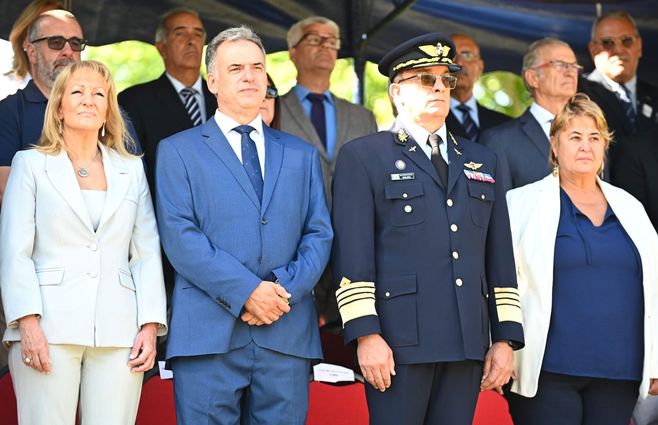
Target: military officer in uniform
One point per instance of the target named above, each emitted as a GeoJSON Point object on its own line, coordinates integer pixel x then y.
{"type": "Point", "coordinates": [423, 253]}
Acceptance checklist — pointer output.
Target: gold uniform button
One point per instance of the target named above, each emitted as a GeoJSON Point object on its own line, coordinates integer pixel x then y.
{"type": "Point", "coordinates": [405, 196]}
{"type": "Point", "coordinates": [454, 227]}
{"type": "Point", "coordinates": [408, 209]}
{"type": "Point", "coordinates": [449, 202]}
{"type": "Point", "coordinates": [455, 255]}
{"type": "Point", "coordinates": [482, 196]}
{"type": "Point", "coordinates": [459, 282]}
{"type": "Point", "coordinates": [387, 294]}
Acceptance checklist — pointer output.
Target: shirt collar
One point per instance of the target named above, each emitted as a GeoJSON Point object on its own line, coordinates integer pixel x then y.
{"type": "Point", "coordinates": [419, 134]}
{"type": "Point", "coordinates": [302, 92]}
{"type": "Point", "coordinates": [471, 103]}
{"type": "Point", "coordinates": [178, 86]}
{"type": "Point", "coordinates": [226, 123]}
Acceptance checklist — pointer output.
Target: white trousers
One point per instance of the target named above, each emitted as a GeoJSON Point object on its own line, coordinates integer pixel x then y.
{"type": "Point", "coordinates": [108, 392]}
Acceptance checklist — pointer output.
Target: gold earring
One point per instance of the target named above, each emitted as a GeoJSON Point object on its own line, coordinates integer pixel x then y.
{"type": "Point", "coordinates": [103, 130]}
{"type": "Point", "coordinates": [556, 170]}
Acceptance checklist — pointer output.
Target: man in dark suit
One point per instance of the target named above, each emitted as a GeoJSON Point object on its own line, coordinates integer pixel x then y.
{"type": "Point", "coordinates": [468, 118]}
{"type": "Point", "coordinates": [243, 217]}
{"type": "Point", "coordinates": [423, 252]}
{"type": "Point", "coordinates": [550, 73]}
{"type": "Point", "coordinates": [313, 113]}
{"type": "Point", "coordinates": [166, 106]}
{"type": "Point", "coordinates": [630, 105]}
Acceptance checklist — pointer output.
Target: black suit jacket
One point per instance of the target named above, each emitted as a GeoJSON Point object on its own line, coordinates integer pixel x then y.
{"type": "Point", "coordinates": [524, 145]}
{"type": "Point", "coordinates": [487, 117]}
{"type": "Point", "coordinates": [636, 171]}
{"type": "Point", "coordinates": [157, 112]}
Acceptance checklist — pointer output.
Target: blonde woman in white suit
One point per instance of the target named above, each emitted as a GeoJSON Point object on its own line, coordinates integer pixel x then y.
{"type": "Point", "coordinates": [80, 268]}
{"type": "Point", "coordinates": [585, 253]}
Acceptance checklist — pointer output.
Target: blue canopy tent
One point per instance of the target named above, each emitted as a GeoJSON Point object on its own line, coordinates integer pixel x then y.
{"type": "Point", "coordinates": [371, 27]}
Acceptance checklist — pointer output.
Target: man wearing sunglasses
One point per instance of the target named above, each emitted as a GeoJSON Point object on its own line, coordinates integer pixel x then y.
{"type": "Point", "coordinates": [630, 105]}
{"type": "Point", "coordinates": [54, 41]}
{"type": "Point", "coordinates": [313, 113]}
{"type": "Point", "coordinates": [468, 118]}
{"type": "Point", "coordinates": [550, 73]}
{"type": "Point", "coordinates": [422, 252]}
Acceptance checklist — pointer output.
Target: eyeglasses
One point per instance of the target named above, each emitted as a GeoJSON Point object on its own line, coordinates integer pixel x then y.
{"type": "Point", "coordinates": [429, 80]}
{"type": "Point", "coordinates": [561, 66]}
{"type": "Point", "coordinates": [467, 56]}
{"type": "Point", "coordinates": [315, 39]}
{"type": "Point", "coordinates": [271, 93]}
{"type": "Point", "coordinates": [57, 42]}
{"type": "Point", "coordinates": [609, 43]}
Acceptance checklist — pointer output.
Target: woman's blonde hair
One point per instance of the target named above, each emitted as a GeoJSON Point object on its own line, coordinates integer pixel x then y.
{"type": "Point", "coordinates": [21, 64]}
{"type": "Point", "coordinates": [116, 136]}
{"type": "Point", "coordinates": [579, 105]}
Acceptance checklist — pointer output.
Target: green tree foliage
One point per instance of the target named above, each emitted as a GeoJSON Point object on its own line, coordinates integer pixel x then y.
{"type": "Point", "coordinates": [134, 62]}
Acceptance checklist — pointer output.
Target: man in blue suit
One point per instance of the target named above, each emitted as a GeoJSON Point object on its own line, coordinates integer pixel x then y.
{"type": "Point", "coordinates": [243, 218]}
{"type": "Point", "coordinates": [550, 73]}
{"type": "Point", "coordinates": [423, 252]}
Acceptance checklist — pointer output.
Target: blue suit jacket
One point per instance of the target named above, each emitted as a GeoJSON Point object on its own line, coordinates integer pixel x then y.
{"type": "Point", "coordinates": [524, 145]}
{"type": "Point", "coordinates": [439, 257]}
{"type": "Point", "coordinates": [222, 243]}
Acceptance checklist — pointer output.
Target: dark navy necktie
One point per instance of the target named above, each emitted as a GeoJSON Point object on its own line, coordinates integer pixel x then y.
{"type": "Point", "coordinates": [317, 116]}
{"type": "Point", "coordinates": [250, 160]}
{"type": "Point", "coordinates": [434, 140]}
{"type": "Point", "coordinates": [191, 105]}
{"type": "Point", "coordinates": [627, 103]}
{"type": "Point", "coordinates": [469, 125]}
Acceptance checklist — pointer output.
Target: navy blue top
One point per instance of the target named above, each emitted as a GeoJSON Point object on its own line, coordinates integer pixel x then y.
{"type": "Point", "coordinates": [597, 322]}
{"type": "Point", "coordinates": [21, 121]}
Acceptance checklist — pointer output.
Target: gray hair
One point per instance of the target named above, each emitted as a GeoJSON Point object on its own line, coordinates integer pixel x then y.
{"type": "Point", "coordinates": [230, 34]}
{"type": "Point", "coordinates": [532, 57]}
{"type": "Point", "coordinates": [33, 32]}
{"type": "Point", "coordinates": [161, 32]}
{"type": "Point", "coordinates": [617, 14]}
{"type": "Point", "coordinates": [296, 32]}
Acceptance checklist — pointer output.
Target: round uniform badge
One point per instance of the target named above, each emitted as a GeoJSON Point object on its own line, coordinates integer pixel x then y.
{"type": "Point", "coordinates": [400, 165]}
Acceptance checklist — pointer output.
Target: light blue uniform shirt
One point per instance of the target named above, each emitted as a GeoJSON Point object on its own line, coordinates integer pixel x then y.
{"type": "Point", "coordinates": [329, 114]}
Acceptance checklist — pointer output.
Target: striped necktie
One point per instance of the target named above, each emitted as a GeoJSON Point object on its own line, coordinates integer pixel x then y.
{"type": "Point", "coordinates": [626, 102]}
{"type": "Point", "coordinates": [191, 105]}
{"type": "Point", "coordinates": [469, 125]}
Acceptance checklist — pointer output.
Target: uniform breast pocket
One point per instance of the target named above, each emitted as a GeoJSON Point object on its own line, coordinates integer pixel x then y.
{"type": "Point", "coordinates": [396, 307]}
{"type": "Point", "coordinates": [481, 199]}
{"type": "Point", "coordinates": [407, 203]}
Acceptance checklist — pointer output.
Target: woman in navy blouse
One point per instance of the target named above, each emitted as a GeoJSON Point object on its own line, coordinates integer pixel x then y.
{"type": "Point", "coordinates": [586, 268]}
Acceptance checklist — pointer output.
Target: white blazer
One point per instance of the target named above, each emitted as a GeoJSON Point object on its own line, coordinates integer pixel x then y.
{"type": "Point", "coordinates": [534, 212]}
{"type": "Point", "coordinates": [92, 288]}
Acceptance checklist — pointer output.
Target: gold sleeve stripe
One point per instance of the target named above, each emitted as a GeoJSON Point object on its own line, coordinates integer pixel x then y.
{"type": "Point", "coordinates": [509, 313]}
{"type": "Point", "coordinates": [508, 302]}
{"type": "Point", "coordinates": [355, 299]}
{"type": "Point", "coordinates": [508, 289]}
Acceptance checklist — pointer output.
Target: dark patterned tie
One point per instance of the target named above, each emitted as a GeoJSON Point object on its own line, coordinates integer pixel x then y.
{"type": "Point", "coordinates": [250, 160]}
{"type": "Point", "coordinates": [627, 103]}
{"type": "Point", "coordinates": [317, 116]}
{"type": "Point", "coordinates": [434, 140]}
{"type": "Point", "coordinates": [191, 105]}
{"type": "Point", "coordinates": [469, 125]}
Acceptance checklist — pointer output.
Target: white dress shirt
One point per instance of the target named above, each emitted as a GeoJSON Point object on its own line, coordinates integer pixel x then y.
{"type": "Point", "coordinates": [471, 103]}
{"type": "Point", "coordinates": [420, 135]}
{"type": "Point", "coordinates": [543, 117]}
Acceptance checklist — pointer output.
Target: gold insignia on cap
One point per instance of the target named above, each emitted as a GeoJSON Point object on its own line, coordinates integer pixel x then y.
{"type": "Point", "coordinates": [402, 135]}
{"type": "Point", "coordinates": [435, 50]}
{"type": "Point", "coordinates": [355, 299]}
{"type": "Point", "coordinates": [473, 165]}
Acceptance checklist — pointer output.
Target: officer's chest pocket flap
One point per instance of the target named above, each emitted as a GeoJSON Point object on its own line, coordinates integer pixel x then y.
{"type": "Point", "coordinates": [407, 203]}
{"type": "Point", "coordinates": [481, 195]}
{"type": "Point", "coordinates": [396, 307]}
{"type": "Point", "coordinates": [49, 277]}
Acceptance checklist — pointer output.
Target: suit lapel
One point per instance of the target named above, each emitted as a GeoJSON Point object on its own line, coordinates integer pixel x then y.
{"type": "Point", "coordinates": [417, 154]}
{"type": "Point", "coordinates": [533, 130]}
{"type": "Point", "coordinates": [62, 176]}
{"type": "Point", "coordinates": [342, 120]}
{"type": "Point", "coordinates": [273, 160]}
{"type": "Point", "coordinates": [215, 140]}
{"type": "Point", "coordinates": [456, 157]}
{"type": "Point", "coordinates": [118, 181]}
{"type": "Point", "coordinates": [296, 113]}
{"type": "Point", "coordinates": [169, 99]}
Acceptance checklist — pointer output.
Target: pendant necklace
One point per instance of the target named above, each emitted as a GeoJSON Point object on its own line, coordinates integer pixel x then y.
{"type": "Point", "coordinates": [84, 171]}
